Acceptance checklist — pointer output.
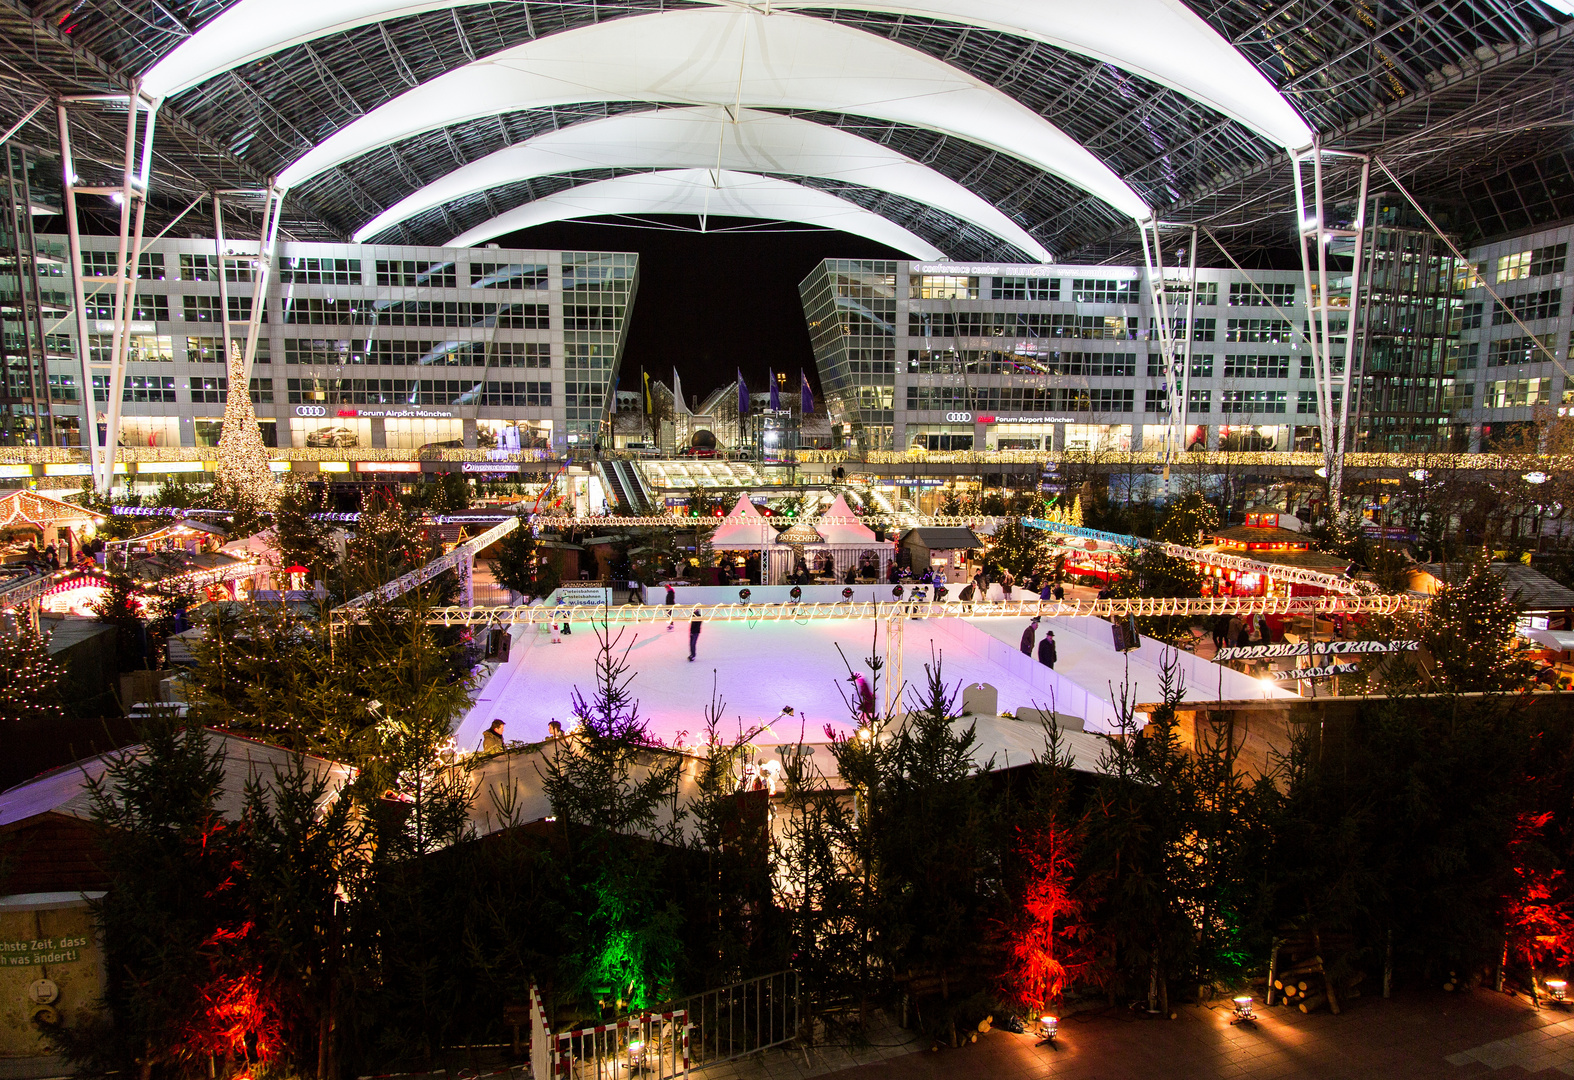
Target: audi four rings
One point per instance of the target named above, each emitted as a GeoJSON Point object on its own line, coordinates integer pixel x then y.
{"type": "Point", "coordinates": [959, 417]}
{"type": "Point", "coordinates": [311, 410]}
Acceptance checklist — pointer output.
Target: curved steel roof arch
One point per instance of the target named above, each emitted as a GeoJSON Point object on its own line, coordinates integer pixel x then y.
{"type": "Point", "coordinates": [711, 136]}
{"type": "Point", "coordinates": [1162, 40]}
{"type": "Point", "coordinates": [724, 57]}
{"type": "Point", "coordinates": [706, 194]}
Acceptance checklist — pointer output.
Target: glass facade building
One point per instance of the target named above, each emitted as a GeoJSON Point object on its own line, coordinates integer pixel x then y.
{"type": "Point", "coordinates": [955, 356]}
{"type": "Point", "coordinates": [401, 348]}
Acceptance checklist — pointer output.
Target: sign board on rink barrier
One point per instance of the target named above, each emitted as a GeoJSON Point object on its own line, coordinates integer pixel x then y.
{"type": "Point", "coordinates": [1297, 674]}
{"type": "Point", "coordinates": [1307, 648]}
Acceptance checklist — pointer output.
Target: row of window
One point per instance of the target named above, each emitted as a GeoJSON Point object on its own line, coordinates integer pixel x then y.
{"type": "Point", "coordinates": [417, 392]}
{"type": "Point", "coordinates": [1027, 399]}
{"type": "Point", "coordinates": [1238, 401]}
{"type": "Point", "coordinates": [953, 324]}
{"type": "Point", "coordinates": [313, 270]}
{"type": "Point", "coordinates": [1533, 263]}
{"type": "Point", "coordinates": [319, 311]}
{"type": "Point", "coordinates": [340, 352]}
{"type": "Point", "coordinates": [161, 388]}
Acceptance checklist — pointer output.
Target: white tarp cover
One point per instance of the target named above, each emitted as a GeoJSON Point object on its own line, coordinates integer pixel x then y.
{"type": "Point", "coordinates": [728, 57]}
{"type": "Point", "coordinates": [1162, 40]}
{"type": "Point", "coordinates": [1561, 640]}
{"type": "Point", "coordinates": [701, 193]}
{"type": "Point", "coordinates": [710, 136]}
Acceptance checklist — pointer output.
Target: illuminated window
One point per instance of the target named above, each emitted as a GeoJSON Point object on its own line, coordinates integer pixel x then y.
{"type": "Point", "coordinates": [942, 287]}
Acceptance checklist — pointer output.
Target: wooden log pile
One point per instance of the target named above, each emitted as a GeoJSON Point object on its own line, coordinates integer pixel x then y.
{"type": "Point", "coordinates": [1300, 978]}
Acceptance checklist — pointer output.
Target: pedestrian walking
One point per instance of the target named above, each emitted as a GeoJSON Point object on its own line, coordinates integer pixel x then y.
{"type": "Point", "coordinates": [694, 634]}
{"type": "Point", "coordinates": [1060, 593]}
{"type": "Point", "coordinates": [1219, 627]}
{"type": "Point", "coordinates": [1232, 633]}
{"type": "Point", "coordinates": [1047, 593]}
{"type": "Point", "coordinates": [672, 600]}
{"type": "Point", "coordinates": [1046, 650]}
{"type": "Point", "coordinates": [557, 638]}
{"type": "Point", "coordinates": [1027, 638]}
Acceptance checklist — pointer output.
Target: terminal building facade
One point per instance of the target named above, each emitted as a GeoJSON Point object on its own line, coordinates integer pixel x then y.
{"type": "Point", "coordinates": [976, 356]}
{"type": "Point", "coordinates": [361, 346]}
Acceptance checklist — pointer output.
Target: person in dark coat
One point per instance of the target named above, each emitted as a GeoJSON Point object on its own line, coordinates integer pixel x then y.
{"type": "Point", "coordinates": [1221, 624]}
{"type": "Point", "coordinates": [694, 634]}
{"type": "Point", "coordinates": [1060, 592]}
{"type": "Point", "coordinates": [492, 738]}
{"type": "Point", "coordinates": [1046, 650]}
{"type": "Point", "coordinates": [672, 600]}
{"type": "Point", "coordinates": [1027, 638]}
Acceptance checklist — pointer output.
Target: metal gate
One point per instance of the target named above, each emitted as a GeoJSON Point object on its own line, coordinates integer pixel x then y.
{"type": "Point", "coordinates": [652, 1046]}
{"type": "Point", "coordinates": [744, 1018]}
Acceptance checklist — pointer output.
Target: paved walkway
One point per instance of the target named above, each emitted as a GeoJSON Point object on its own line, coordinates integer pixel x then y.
{"type": "Point", "coordinates": [1431, 1036]}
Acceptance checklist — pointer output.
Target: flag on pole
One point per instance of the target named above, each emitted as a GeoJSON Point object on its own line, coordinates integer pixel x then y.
{"type": "Point", "coordinates": [743, 395]}
{"type": "Point", "coordinates": [806, 394]}
{"type": "Point", "coordinates": [776, 402]}
{"type": "Point", "coordinates": [682, 406]}
{"type": "Point", "coordinates": [650, 406]}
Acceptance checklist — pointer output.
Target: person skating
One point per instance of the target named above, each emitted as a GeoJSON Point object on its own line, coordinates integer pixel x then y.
{"type": "Point", "coordinates": [672, 600]}
{"type": "Point", "coordinates": [863, 697]}
{"type": "Point", "coordinates": [1046, 650]}
{"type": "Point", "coordinates": [694, 634]}
{"type": "Point", "coordinates": [1027, 638]}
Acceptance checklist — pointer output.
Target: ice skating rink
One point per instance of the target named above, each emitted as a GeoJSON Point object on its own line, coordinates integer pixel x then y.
{"type": "Point", "coordinates": [758, 669]}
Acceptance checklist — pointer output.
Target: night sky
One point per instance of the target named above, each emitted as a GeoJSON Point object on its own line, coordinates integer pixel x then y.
{"type": "Point", "coordinates": [708, 304]}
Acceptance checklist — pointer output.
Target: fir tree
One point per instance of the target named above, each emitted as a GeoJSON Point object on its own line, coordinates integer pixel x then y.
{"type": "Point", "coordinates": [520, 565]}
{"type": "Point", "coordinates": [1019, 548]}
{"type": "Point", "coordinates": [1469, 632]}
{"type": "Point", "coordinates": [614, 795]}
{"type": "Point", "coordinates": [30, 680]}
{"type": "Point", "coordinates": [298, 536]}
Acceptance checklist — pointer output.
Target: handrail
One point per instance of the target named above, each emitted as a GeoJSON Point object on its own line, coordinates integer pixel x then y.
{"type": "Point", "coordinates": [463, 553]}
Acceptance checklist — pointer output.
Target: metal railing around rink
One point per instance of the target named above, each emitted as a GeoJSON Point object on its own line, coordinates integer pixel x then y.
{"type": "Point", "coordinates": [734, 1021]}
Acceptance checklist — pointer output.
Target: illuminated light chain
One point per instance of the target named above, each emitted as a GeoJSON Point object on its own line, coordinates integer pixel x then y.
{"type": "Point", "coordinates": [559, 521]}
{"type": "Point", "coordinates": [1141, 607]}
{"type": "Point", "coordinates": [1294, 574]}
{"type": "Point", "coordinates": [1549, 463]}
{"type": "Point", "coordinates": [33, 589]}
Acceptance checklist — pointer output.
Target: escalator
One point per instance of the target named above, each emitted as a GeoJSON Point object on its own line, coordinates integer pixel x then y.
{"type": "Point", "coordinates": [612, 483]}
{"type": "Point", "coordinates": [634, 485]}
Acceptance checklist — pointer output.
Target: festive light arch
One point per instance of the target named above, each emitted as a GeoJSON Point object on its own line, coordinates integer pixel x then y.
{"type": "Point", "coordinates": [728, 58]}
{"type": "Point", "coordinates": [712, 137]}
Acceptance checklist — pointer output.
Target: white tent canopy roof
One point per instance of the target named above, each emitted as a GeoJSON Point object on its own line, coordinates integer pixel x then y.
{"type": "Point", "coordinates": [703, 193]}
{"type": "Point", "coordinates": [743, 527]}
{"type": "Point", "coordinates": [846, 531]}
{"type": "Point", "coordinates": [1162, 40]}
{"type": "Point", "coordinates": [711, 136]}
{"type": "Point", "coordinates": [729, 58]}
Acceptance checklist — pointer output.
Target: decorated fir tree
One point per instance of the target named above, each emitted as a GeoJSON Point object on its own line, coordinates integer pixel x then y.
{"type": "Point", "coordinates": [30, 682]}
{"type": "Point", "coordinates": [1469, 631]}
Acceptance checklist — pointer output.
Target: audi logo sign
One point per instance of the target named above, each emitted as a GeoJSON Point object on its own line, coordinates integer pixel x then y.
{"type": "Point", "coordinates": [959, 417]}
{"type": "Point", "coordinates": [311, 410]}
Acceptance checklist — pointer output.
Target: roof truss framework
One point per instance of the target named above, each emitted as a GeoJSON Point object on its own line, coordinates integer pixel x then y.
{"type": "Point", "coordinates": [1466, 98]}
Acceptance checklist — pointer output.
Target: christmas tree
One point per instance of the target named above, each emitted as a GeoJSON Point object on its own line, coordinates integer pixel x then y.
{"type": "Point", "coordinates": [29, 678]}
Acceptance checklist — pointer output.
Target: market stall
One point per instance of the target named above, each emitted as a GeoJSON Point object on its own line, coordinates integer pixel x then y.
{"type": "Point", "coordinates": [851, 544]}
{"type": "Point", "coordinates": [749, 548]}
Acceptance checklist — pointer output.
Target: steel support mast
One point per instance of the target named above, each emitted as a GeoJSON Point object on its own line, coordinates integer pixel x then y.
{"type": "Point", "coordinates": [1317, 237]}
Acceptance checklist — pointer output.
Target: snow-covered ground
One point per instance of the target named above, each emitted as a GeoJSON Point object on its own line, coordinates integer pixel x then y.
{"type": "Point", "coordinates": [759, 669]}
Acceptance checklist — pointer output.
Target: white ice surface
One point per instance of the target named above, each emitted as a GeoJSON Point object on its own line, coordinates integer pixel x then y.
{"type": "Point", "coordinates": [756, 670]}
{"type": "Point", "coordinates": [759, 669]}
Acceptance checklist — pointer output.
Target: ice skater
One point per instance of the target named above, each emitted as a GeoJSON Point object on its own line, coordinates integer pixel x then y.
{"type": "Point", "coordinates": [672, 600]}
{"type": "Point", "coordinates": [863, 697]}
{"type": "Point", "coordinates": [1027, 637]}
{"type": "Point", "coordinates": [694, 634]}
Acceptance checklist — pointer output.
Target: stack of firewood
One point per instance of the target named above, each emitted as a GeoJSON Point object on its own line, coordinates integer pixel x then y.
{"type": "Point", "coordinates": [1299, 978]}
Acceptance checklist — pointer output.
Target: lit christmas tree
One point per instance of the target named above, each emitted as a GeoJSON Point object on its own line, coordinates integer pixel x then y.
{"type": "Point", "coordinates": [29, 679]}
{"type": "Point", "coordinates": [244, 482]}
